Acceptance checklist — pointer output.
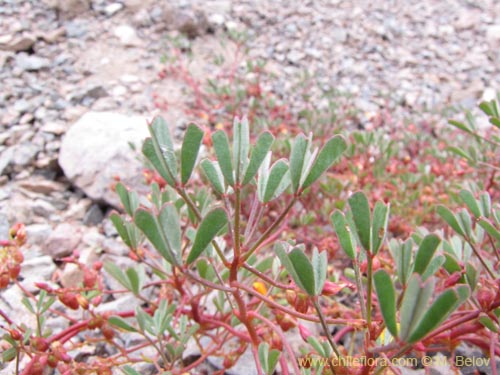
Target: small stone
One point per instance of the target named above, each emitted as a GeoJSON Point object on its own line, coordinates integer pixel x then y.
{"type": "Point", "coordinates": [37, 233]}
{"type": "Point", "coordinates": [4, 227]}
{"type": "Point", "coordinates": [41, 266]}
{"type": "Point", "coordinates": [113, 8]}
{"type": "Point", "coordinates": [93, 216]}
{"type": "Point", "coordinates": [31, 63]}
{"type": "Point", "coordinates": [42, 186]}
{"type": "Point", "coordinates": [493, 33]}
{"type": "Point", "coordinates": [25, 153]}
{"type": "Point", "coordinates": [18, 43]}
{"type": "Point", "coordinates": [71, 276]}
{"type": "Point", "coordinates": [53, 128]}
{"type": "Point", "coordinates": [62, 241]}
{"type": "Point", "coordinates": [295, 56]}
{"type": "Point", "coordinates": [6, 157]}
{"type": "Point", "coordinates": [76, 28]}
{"type": "Point", "coordinates": [127, 36]}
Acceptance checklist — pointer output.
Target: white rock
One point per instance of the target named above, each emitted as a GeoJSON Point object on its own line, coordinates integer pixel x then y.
{"type": "Point", "coordinates": [127, 35]}
{"type": "Point", "coordinates": [112, 9]}
{"type": "Point", "coordinates": [63, 240]}
{"type": "Point", "coordinates": [493, 32]}
{"type": "Point", "coordinates": [96, 149]}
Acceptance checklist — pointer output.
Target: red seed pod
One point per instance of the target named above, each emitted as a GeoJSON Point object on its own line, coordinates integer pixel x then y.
{"type": "Point", "coordinates": [69, 299]}
{"type": "Point", "coordinates": [107, 332]}
{"type": "Point", "coordinates": [97, 265]}
{"type": "Point", "coordinates": [285, 321]}
{"type": "Point", "coordinates": [15, 334]}
{"type": "Point", "coordinates": [52, 361]}
{"type": "Point", "coordinates": [4, 280]}
{"type": "Point", "coordinates": [302, 303]}
{"type": "Point", "coordinates": [18, 233]}
{"type": "Point", "coordinates": [485, 298]}
{"type": "Point", "coordinates": [304, 332]}
{"type": "Point", "coordinates": [14, 271]}
{"type": "Point", "coordinates": [453, 279]}
{"type": "Point", "coordinates": [17, 256]}
{"type": "Point", "coordinates": [39, 343]}
{"type": "Point", "coordinates": [290, 295]}
{"type": "Point", "coordinates": [96, 301]}
{"type": "Point", "coordinates": [89, 278]}
{"type": "Point", "coordinates": [96, 322]}
{"type": "Point", "coordinates": [82, 301]}
{"type": "Point", "coordinates": [44, 286]}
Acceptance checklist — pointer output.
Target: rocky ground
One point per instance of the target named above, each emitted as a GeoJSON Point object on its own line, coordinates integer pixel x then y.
{"type": "Point", "coordinates": [64, 62]}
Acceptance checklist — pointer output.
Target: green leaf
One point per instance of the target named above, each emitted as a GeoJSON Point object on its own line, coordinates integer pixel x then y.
{"type": "Point", "coordinates": [121, 323]}
{"type": "Point", "coordinates": [379, 225]}
{"type": "Point", "coordinates": [148, 150]}
{"type": "Point", "coordinates": [319, 264]}
{"type": "Point", "coordinates": [129, 200]}
{"type": "Point", "coordinates": [134, 280]}
{"type": "Point", "coordinates": [471, 202]}
{"type": "Point", "coordinates": [117, 274]}
{"type": "Point", "coordinates": [460, 125]}
{"type": "Point", "coordinates": [214, 174]}
{"type": "Point", "coordinates": [471, 275]}
{"type": "Point", "coordinates": [9, 354]}
{"type": "Point", "coordinates": [259, 152]}
{"type": "Point", "coordinates": [277, 175]}
{"type": "Point", "coordinates": [26, 302]}
{"type": "Point", "coordinates": [450, 218]}
{"type": "Point", "coordinates": [465, 222]}
{"type": "Point", "coordinates": [241, 144]}
{"type": "Point", "coordinates": [461, 152]}
{"type": "Point", "coordinates": [485, 201]}
{"type": "Point", "coordinates": [346, 238]}
{"type": "Point", "coordinates": [298, 267]}
{"type": "Point", "coordinates": [425, 253]}
{"type": "Point", "coordinates": [361, 217]}
{"type": "Point", "coordinates": [170, 223]}
{"type": "Point", "coordinates": [414, 304]}
{"type": "Point", "coordinates": [402, 254]}
{"type": "Point", "coordinates": [297, 159]}
{"type": "Point", "coordinates": [304, 270]}
{"type": "Point", "coordinates": [443, 306]}
{"type": "Point", "coordinates": [145, 321]}
{"type": "Point", "coordinates": [263, 356]}
{"type": "Point", "coordinates": [129, 370]}
{"type": "Point", "coordinates": [489, 228]}
{"type": "Point", "coordinates": [189, 151]}
{"type": "Point", "coordinates": [221, 146]}
{"type": "Point", "coordinates": [152, 229]}
{"type": "Point", "coordinates": [325, 159]}
{"type": "Point", "coordinates": [387, 300]}
{"type": "Point", "coordinates": [211, 224]}
{"type": "Point", "coordinates": [433, 266]}
{"type": "Point", "coordinates": [164, 148]}
{"type": "Point", "coordinates": [487, 322]}
{"type": "Point", "coordinates": [121, 228]}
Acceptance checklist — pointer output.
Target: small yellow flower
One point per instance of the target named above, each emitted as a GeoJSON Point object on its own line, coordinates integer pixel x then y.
{"type": "Point", "coordinates": [260, 287]}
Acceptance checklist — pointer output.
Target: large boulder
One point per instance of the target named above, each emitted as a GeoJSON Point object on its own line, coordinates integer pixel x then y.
{"type": "Point", "coordinates": [96, 149]}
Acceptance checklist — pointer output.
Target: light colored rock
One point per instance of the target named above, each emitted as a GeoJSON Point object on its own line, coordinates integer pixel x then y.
{"type": "Point", "coordinates": [96, 149]}
{"type": "Point", "coordinates": [113, 8]}
{"type": "Point", "coordinates": [71, 276]}
{"type": "Point", "coordinates": [63, 240]}
{"type": "Point", "coordinates": [40, 268]}
{"type": "Point", "coordinates": [69, 8]}
{"type": "Point", "coordinates": [493, 33]}
{"type": "Point", "coordinates": [17, 43]}
{"type": "Point", "coordinates": [127, 35]}
{"type": "Point", "coordinates": [31, 62]}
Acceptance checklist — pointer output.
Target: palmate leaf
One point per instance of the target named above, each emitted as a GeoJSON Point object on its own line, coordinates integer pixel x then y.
{"type": "Point", "coordinates": [439, 310]}
{"type": "Point", "coordinates": [414, 304]}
